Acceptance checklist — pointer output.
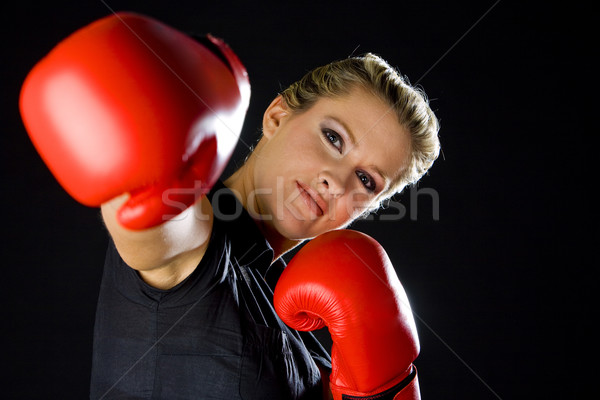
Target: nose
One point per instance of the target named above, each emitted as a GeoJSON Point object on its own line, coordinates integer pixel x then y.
{"type": "Point", "coordinates": [331, 184]}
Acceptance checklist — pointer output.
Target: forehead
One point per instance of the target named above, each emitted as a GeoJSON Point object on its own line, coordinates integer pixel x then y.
{"type": "Point", "coordinates": [378, 139]}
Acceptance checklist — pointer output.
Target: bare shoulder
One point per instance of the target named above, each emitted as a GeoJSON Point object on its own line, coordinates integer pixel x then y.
{"type": "Point", "coordinates": [166, 254]}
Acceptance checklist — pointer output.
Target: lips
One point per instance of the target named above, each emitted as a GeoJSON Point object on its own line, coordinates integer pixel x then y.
{"type": "Point", "coordinates": [312, 199]}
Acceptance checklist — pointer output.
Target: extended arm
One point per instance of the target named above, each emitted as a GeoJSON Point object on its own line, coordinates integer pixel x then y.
{"type": "Point", "coordinates": [134, 116]}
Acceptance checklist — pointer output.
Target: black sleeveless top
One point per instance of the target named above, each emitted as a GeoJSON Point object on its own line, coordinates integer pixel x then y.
{"type": "Point", "coordinates": [213, 336]}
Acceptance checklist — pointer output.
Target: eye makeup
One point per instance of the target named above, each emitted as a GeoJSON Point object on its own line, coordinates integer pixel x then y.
{"type": "Point", "coordinates": [329, 130]}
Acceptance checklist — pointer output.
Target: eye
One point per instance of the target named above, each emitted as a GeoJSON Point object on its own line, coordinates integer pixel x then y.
{"type": "Point", "coordinates": [333, 138]}
{"type": "Point", "coordinates": [367, 181]}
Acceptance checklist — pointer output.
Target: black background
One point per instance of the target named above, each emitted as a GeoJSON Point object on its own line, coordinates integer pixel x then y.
{"type": "Point", "coordinates": [500, 283]}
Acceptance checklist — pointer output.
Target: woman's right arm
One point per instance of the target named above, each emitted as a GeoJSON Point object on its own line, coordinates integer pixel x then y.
{"type": "Point", "coordinates": [166, 254]}
{"type": "Point", "coordinates": [107, 117]}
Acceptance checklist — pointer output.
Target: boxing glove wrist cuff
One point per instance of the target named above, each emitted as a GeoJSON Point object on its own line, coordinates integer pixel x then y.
{"type": "Point", "coordinates": [399, 389]}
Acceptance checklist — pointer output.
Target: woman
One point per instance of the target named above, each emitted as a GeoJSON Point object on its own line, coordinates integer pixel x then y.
{"type": "Point", "coordinates": [185, 308]}
{"type": "Point", "coordinates": [335, 144]}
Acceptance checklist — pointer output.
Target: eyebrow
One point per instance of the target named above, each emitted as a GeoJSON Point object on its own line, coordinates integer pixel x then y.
{"type": "Point", "coordinates": [382, 174]}
{"type": "Point", "coordinates": [345, 126]}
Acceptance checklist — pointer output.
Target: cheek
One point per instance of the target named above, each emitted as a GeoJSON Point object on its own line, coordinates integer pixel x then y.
{"type": "Point", "coordinates": [303, 148]}
{"type": "Point", "coordinates": [298, 155]}
{"type": "Point", "coordinates": [358, 202]}
{"type": "Point", "coordinates": [350, 207]}
{"type": "Point", "coordinates": [295, 144]}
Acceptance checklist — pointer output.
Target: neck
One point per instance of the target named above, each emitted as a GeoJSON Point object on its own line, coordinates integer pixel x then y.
{"type": "Point", "coordinates": [174, 272]}
{"type": "Point", "coordinates": [242, 185]}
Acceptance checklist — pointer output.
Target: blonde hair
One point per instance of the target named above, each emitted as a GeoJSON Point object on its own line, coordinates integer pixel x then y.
{"type": "Point", "coordinates": [376, 75]}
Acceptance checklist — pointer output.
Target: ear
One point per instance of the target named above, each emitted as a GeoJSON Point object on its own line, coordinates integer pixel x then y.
{"type": "Point", "coordinates": [274, 116]}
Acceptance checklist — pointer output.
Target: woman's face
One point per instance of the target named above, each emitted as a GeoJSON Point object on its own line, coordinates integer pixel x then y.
{"type": "Point", "coordinates": [318, 170]}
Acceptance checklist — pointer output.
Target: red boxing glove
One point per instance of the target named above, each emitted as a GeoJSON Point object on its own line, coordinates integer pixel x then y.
{"type": "Point", "coordinates": [128, 104]}
{"type": "Point", "coordinates": [345, 280]}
